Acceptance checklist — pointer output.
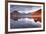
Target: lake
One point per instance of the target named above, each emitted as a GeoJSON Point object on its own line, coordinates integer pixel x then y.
{"type": "Point", "coordinates": [24, 23]}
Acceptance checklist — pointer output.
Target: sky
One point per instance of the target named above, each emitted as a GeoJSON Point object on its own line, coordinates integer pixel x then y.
{"type": "Point", "coordinates": [23, 8]}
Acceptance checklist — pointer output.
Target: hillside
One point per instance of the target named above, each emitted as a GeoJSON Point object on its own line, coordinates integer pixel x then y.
{"type": "Point", "coordinates": [37, 15]}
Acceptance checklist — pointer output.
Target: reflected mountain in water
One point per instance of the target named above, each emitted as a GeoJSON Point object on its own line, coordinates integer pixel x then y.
{"type": "Point", "coordinates": [24, 23]}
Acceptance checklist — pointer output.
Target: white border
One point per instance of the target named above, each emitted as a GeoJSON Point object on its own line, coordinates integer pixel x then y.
{"type": "Point", "coordinates": [25, 29]}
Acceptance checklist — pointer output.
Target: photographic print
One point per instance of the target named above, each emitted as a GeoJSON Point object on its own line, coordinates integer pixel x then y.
{"type": "Point", "coordinates": [25, 17]}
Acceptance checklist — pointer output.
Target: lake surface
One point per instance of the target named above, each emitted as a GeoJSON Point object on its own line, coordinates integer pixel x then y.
{"type": "Point", "coordinates": [24, 23]}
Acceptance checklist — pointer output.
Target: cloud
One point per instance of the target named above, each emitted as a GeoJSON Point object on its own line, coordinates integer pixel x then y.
{"type": "Point", "coordinates": [24, 8]}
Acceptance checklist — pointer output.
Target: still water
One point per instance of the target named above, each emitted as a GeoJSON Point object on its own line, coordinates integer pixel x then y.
{"type": "Point", "coordinates": [24, 23]}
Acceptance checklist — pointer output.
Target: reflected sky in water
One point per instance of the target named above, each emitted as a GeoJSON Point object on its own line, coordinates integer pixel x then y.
{"type": "Point", "coordinates": [24, 23]}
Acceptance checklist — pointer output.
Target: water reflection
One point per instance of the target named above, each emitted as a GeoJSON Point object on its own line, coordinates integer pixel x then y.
{"type": "Point", "coordinates": [23, 23]}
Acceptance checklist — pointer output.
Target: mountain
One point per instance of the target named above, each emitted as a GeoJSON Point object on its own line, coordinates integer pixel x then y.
{"type": "Point", "coordinates": [36, 15]}
{"type": "Point", "coordinates": [37, 12]}
{"type": "Point", "coordinates": [14, 15]}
